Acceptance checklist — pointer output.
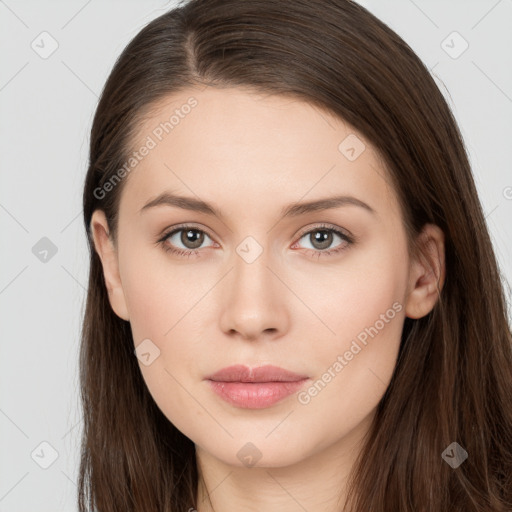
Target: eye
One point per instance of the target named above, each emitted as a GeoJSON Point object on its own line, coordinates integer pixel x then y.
{"type": "Point", "coordinates": [321, 237]}
{"type": "Point", "coordinates": [191, 238]}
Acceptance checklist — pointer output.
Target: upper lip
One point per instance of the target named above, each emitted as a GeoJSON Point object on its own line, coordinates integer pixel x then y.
{"type": "Point", "coordinates": [267, 373]}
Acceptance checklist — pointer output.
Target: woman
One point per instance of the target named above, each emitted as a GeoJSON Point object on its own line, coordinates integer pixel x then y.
{"type": "Point", "coordinates": [293, 299]}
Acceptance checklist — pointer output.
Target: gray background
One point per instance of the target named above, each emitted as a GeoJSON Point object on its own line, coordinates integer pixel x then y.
{"type": "Point", "coordinates": [47, 105]}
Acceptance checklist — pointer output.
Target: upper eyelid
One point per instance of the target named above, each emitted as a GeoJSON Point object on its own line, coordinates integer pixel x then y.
{"type": "Point", "coordinates": [326, 227]}
{"type": "Point", "coordinates": [183, 227]}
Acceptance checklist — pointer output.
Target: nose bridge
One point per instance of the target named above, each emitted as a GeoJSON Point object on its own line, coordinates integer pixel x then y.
{"type": "Point", "coordinates": [251, 261]}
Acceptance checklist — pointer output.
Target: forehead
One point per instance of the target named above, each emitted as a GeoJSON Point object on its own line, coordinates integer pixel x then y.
{"type": "Point", "coordinates": [245, 150]}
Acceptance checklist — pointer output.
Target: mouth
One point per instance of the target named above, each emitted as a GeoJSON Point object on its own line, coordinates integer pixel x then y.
{"type": "Point", "coordinates": [255, 388]}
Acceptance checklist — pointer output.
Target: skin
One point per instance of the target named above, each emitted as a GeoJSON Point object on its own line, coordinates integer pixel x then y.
{"type": "Point", "coordinates": [251, 155]}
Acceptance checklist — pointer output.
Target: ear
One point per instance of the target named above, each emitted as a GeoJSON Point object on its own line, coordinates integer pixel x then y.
{"type": "Point", "coordinates": [108, 255]}
{"type": "Point", "coordinates": [427, 272]}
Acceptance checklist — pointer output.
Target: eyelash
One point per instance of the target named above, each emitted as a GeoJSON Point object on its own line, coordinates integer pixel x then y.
{"type": "Point", "coordinates": [323, 227]}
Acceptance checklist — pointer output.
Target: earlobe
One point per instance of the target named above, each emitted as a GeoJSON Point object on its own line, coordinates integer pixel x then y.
{"type": "Point", "coordinates": [109, 261]}
{"type": "Point", "coordinates": [427, 273]}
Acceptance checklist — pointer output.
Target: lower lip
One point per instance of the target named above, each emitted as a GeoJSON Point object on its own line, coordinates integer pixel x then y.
{"type": "Point", "coordinates": [255, 395]}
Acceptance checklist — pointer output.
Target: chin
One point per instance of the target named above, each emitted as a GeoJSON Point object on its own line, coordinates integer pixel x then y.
{"type": "Point", "coordinates": [258, 454]}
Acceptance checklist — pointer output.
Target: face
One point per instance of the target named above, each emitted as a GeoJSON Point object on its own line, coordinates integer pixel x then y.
{"type": "Point", "coordinates": [321, 291]}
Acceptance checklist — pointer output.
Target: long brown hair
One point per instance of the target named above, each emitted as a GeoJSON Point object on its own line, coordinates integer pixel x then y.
{"type": "Point", "coordinates": [453, 378]}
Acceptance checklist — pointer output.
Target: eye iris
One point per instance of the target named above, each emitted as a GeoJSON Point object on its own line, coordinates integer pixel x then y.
{"type": "Point", "coordinates": [192, 236]}
{"type": "Point", "coordinates": [324, 238]}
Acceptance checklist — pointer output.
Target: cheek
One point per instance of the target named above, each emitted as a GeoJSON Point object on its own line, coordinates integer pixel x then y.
{"type": "Point", "coordinates": [164, 303]}
{"type": "Point", "coordinates": [351, 375]}
{"type": "Point", "coordinates": [157, 294]}
{"type": "Point", "coordinates": [363, 306]}
{"type": "Point", "coordinates": [159, 299]}
{"type": "Point", "coordinates": [352, 294]}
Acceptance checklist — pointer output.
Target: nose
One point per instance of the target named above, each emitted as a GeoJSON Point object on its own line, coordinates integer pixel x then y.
{"type": "Point", "coordinates": [253, 300]}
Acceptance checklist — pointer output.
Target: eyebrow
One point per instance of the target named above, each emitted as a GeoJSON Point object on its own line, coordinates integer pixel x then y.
{"type": "Point", "coordinates": [292, 210]}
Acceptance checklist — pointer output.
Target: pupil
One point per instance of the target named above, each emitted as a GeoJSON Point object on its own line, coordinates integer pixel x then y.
{"type": "Point", "coordinates": [194, 237]}
{"type": "Point", "coordinates": [323, 238]}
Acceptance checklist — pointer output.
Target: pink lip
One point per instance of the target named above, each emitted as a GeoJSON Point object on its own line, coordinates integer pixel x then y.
{"type": "Point", "coordinates": [255, 388]}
